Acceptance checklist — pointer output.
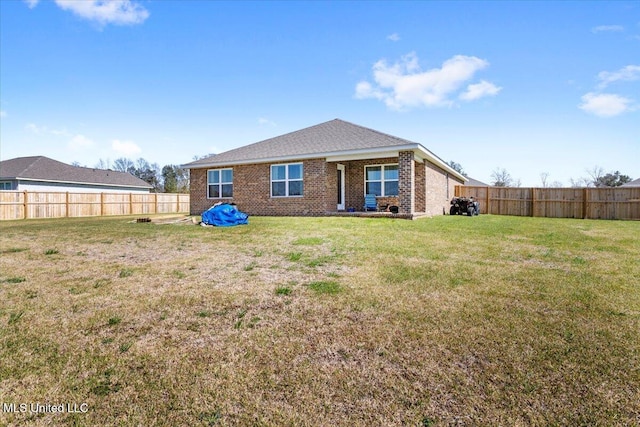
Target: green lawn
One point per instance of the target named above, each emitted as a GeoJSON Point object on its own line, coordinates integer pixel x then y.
{"type": "Point", "coordinates": [489, 320]}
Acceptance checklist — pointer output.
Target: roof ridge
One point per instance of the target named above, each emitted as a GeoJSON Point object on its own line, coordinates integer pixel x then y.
{"type": "Point", "coordinates": [36, 159]}
{"type": "Point", "coordinates": [378, 132]}
{"type": "Point", "coordinates": [394, 137]}
{"type": "Point", "coordinates": [271, 138]}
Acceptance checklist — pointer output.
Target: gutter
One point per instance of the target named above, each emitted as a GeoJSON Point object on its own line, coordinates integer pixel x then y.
{"type": "Point", "coordinates": [78, 182]}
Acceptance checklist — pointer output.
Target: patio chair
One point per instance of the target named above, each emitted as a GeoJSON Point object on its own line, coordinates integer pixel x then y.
{"type": "Point", "coordinates": [370, 203]}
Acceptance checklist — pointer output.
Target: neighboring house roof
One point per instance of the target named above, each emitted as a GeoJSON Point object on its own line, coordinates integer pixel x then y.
{"type": "Point", "coordinates": [40, 168]}
{"type": "Point", "coordinates": [475, 183]}
{"type": "Point", "coordinates": [634, 183]}
{"type": "Point", "coordinates": [336, 140]}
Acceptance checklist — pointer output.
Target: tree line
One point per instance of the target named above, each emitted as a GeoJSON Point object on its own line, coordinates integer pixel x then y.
{"type": "Point", "coordinates": [596, 177]}
{"type": "Point", "coordinates": [168, 179]}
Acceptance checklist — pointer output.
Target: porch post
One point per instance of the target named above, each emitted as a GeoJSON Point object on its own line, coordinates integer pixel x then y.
{"type": "Point", "coordinates": [406, 181]}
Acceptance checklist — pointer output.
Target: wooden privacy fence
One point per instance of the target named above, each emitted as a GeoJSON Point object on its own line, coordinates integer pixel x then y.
{"type": "Point", "coordinates": [27, 204]}
{"type": "Point", "coordinates": [587, 203]}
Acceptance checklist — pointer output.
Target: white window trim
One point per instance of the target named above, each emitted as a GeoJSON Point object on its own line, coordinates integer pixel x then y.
{"type": "Point", "coordinates": [286, 180]}
{"type": "Point", "coordinates": [382, 180]}
{"type": "Point", "coordinates": [220, 183]}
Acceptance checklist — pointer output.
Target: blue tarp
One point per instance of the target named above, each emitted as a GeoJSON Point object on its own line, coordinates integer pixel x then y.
{"type": "Point", "coordinates": [224, 215]}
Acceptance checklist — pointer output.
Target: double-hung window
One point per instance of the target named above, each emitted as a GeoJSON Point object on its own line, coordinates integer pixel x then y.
{"type": "Point", "coordinates": [381, 180]}
{"type": "Point", "coordinates": [286, 180]}
{"type": "Point", "coordinates": [220, 183]}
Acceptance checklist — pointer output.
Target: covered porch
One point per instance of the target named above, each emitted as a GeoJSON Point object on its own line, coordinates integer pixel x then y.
{"type": "Point", "coordinates": [393, 180]}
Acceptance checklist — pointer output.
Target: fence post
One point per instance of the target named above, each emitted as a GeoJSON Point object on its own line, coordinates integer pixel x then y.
{"type": "Point", "coordinates": [26, 205]}
{"type": "Point", "coordinates": [156, 202]}
{"type": "Point", "coordinates": [488, 201]}
{"type": "Point", "coordinates": [177, 202]}
{"type": "Point", "coordinates": [66, 206]}
{"type": "Point", "coordinates": [585, 203]}
{"type": "Point", "coordinates": [533, 202]}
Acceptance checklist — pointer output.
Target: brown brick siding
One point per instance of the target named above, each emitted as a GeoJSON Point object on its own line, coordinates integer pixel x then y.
{"type": "Point", "coordinates": [406, 187]}
{"type": "Point", "coordinates": [420, 185]}
{"type": "Point", "coordinates": [437, 198]}
{"type": "Point", "coordinates": [354, 177]}
{"type": "Point", "coordinates": [251, 188]}
{"type": "Point", "coordinates": [252, 192]}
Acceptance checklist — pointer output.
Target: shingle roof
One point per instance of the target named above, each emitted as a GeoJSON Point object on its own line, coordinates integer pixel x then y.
{"type": "Point", "coordinates": [333, 136]}
{"type": "Point", "coordinates": [42, 168]}
{"type": "Point", "coordinates": [634, 183]}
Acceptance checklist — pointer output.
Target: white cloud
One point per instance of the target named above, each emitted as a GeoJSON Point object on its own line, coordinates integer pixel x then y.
{"type": "Point", "coordinates": [265, 122]}
{"type": "Point", "coordinates": [125, 148]}
{"type": "Point", "coordinates": [393, 37]}
{"type": "Point", "coordinates": [44, 130]}
{"type": "Point", "coordinates": [32, 127]}
{"type": "Point", "coordinates": [605, 104]}
{"type": "Point", "coordinates": [628, 73]}
{"type": "Point", "coordinates": [479, 90]}
{"type": "Point", "coordinates": [31, 3]}
{"type": "Point", "coordinates": [607, 28]}
{"type": "Point", "coordinates": [404, 85]}
{"type": "Point", "coordinates": [80, 142]}
{"type": "Point", "coordinates": [118, 12]}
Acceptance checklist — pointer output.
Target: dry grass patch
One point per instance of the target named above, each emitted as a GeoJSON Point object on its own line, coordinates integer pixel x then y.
{"type": "Point", "coordinates": [322, 321]}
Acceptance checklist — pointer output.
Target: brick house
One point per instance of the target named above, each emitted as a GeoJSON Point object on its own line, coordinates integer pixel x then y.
{"type": "Point", "coordinates": [324, 170]}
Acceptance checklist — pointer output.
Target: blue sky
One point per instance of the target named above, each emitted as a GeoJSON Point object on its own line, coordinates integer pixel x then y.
{"type": "Point", "coordinates": [531, 87]}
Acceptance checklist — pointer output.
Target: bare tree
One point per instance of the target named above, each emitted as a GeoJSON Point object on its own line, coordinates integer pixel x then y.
{"type": "Point", "coordinates": [123, 165]}
{"type": "Point", "coordinates": [595, 174]}
{"type": "Point", "coordinates": [501, 178]}
{"type": "Point", "coordinates": [103, 164]}
{"type": "Point", "coordinates": [544, 176]}
{"type": "Point", "coordinates": [580, 182]}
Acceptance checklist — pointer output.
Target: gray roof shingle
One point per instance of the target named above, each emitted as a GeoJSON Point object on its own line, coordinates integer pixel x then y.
{"type": "Point", "coordinates": [634, 183]}
{"type": "Point", "coordinates": [329, 139]}
{"type": "Point", "coordinates": [42, 168]}
{"type": "Point", "coordinates": [333, 136]}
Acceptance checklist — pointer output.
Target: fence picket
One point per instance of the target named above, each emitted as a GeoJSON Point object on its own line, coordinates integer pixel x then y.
{"type": "Point", "coordinates": [594, 203]}
{"type": "Point", "coordinates": [31, 204]}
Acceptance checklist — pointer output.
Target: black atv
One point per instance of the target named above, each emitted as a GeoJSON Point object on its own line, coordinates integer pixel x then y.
{"type": "Point", "coordinates": [464, 205]}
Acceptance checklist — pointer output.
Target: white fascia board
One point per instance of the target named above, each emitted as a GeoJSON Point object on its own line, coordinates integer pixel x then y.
{"type": "Point", "coordinates": [255, 161]}
{"type": "Point", "coordinates": [369, 153]}
{"type": "Point", "coordinates": [361, 154]}
{"type": "Point", "coordinates": [53, 181]}
{"type": "Point", "coordinates": [427, 155]}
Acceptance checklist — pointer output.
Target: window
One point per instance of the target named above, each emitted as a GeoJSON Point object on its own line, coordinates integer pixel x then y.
{"type": "Point", "coordinates": [286, 180]}
{"type": "Point", "coordinates": [381, 180]}
{"type": "Point", "coordinates": [220, 183]}
{"type": "Point", "coordinates": [5, 185]}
